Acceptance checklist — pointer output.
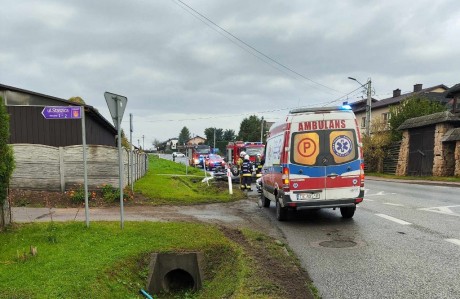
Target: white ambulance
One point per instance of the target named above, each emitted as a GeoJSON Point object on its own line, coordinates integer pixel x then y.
{"type": "Point", "coordinates": [314, 160]}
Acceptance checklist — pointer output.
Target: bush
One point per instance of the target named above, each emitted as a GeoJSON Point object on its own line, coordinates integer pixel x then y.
{"type": "Point", "coordinates": [7, 157]}
{"type": "Point", "coordinates": [413, 106]}
{"type": "Point", "coordinates": [78, 195]}
{"type": "Point", "coordinates": [109, 193]}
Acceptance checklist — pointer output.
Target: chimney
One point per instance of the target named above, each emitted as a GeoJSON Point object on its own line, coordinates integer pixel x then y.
{"type": "Point", "coordinates": [396, 93]}
{"type": "Point", "coordinates": [417, 87]}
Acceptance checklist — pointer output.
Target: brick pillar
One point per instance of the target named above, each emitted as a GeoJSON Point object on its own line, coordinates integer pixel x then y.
{"type": "Point", "coordinates": [403, 158]}
{"type": "Point", "coordinates": [444, 163]}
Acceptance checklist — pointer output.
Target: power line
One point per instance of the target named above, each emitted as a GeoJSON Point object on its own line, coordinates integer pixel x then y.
{"type": "Point", "coordinates": [251, 113]}
{"type": "Point", "coordinates": [237, 44]}
{"type": "Point", "coordinates": [248, 45]}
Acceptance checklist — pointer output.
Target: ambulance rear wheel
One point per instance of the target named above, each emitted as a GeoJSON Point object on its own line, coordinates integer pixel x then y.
{"type": "Point", "coordinates": [263, 201]}
{"type": "Point", "coordinates": [281, 213]}
{"type": "Point", "coordinates": [348, 212]}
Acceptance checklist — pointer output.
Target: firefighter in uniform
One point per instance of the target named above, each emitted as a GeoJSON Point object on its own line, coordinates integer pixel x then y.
{"type": "Point", "coordinates": [246, 173]}
{"type": "Point", "coordinates": [258, 166]}
{"type": "Point", "coordinates": [239, 162]}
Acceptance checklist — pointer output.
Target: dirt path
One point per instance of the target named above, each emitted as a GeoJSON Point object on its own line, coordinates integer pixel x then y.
{"type": "Point", "coordinates": [243, 213]}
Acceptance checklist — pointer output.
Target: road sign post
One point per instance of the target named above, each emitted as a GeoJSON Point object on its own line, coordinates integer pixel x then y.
{"type": "Point", "coordinates": [73, 112]}
{"type": "Point", "coordinates": [117, 105]}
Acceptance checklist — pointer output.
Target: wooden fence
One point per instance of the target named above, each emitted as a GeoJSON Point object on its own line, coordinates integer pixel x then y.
{"type": "Point", "coordinates": [42, 167]}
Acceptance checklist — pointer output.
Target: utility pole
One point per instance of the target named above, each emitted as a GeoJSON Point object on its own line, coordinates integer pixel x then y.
{"type": "Point", "coordinates": [214, 138]}
{"type": "Point", "coordinates": [368, 107]}
{"type": "Point", "coordinates": [262, 130]}
{"type": "Point", "coordinates": [368, 104]}
{"type": "Point", "coordinates": [143, 144]}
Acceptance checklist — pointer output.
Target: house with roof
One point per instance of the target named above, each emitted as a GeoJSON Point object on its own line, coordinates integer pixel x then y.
{"type": "Point", "coordinates": [49, 152]}
{"type": "Point", "coordinates": [29, 126]}
{"type": "Point", "coordinates": [196, 140]}
{"type": "Point", "coordinates": [431, 143]}
{"type": "Point", "coordinates": [380, 110]}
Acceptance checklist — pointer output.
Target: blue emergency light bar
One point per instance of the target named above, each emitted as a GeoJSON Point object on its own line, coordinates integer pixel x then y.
{"type": "Point", "coordinates": [321, 109]}
{"type": "Point", "coordinates": [345, 107]}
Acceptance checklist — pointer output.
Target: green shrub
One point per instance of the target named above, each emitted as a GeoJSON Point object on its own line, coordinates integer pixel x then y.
{"type": "Point", "coordinates": [6, 156]}
{"type": "Point", "coordinates": [110, 193]}
{"type": "Point", "coordinates": [78, 196]}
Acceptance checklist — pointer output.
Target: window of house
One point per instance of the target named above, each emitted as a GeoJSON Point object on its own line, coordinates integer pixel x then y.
{"type": "Point", "coordinates": [363, 122]}
{"type": "Point", "coordinates": [386, 119]}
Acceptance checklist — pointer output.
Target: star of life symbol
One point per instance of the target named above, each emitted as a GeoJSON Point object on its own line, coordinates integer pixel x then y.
{"type": "Point", "coordinates": [342, 146]}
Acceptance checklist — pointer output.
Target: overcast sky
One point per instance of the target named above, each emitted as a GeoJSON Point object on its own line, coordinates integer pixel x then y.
{"type": "Point", "coordinates": [178, 69]}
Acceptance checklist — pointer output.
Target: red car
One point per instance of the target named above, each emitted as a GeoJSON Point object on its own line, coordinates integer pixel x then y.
{"type": "Point", "coordinates": [213, 161]}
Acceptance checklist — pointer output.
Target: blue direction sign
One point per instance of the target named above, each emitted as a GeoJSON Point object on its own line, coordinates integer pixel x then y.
{"type": "Point", "coordinates": [61, 112]}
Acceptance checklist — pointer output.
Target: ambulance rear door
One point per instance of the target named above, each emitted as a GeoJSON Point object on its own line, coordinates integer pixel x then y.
{"type": "Point", "coordinates": [341, 156]}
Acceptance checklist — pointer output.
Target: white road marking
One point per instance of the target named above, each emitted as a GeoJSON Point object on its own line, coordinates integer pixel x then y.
{"type": "Point", "coordinates": [368, 199]}
{"type": "Point", "coordinates": [394, 219]}
{"type": "Point", "coordinates": [393, 204]}
{"type": "Point", "coordinates": [443, 210]}
{"type": "Point", "coordinates": [454, 241]}
{"type": "Point", "coordinates": [381, 193]}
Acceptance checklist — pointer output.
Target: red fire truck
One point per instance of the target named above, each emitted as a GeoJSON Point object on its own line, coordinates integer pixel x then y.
{"type": "Point", "coordinates": [234, 150]}
{"type": "Point", "coordinates": [197, 154]}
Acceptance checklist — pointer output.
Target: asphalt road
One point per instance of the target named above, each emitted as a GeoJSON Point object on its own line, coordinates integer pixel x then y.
{"type": "Point", "coordinates": [403, 242]}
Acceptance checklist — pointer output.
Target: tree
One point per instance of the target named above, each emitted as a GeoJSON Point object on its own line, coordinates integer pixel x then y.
{"type": "Point", "coordinates": [229, 135]}
{"type": "Point", "coordinates": [124, 141]}
{"type": "Point", "coordinates": [413, 106]}
{"type": "Point", "coordinates": [375, 146]}
{"type": "Point", "coordinates": [6, 163]}
{"type": "Point", "coordinates": [184, 135]}
{"type": "Point", "coordinates": [156, 143]}
{"type": "Point", "coordinates": [77, 100]}
{"type": "Point", "coordinates": [250, 129]}
{"type": "Point", "coordinates": [209, 135]}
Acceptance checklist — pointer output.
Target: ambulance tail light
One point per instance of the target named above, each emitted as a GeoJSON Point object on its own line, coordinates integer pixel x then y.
{"type": "Point", "coordinates": [285, 178]}
{"type": "Point", "coordinates": [361, 176]}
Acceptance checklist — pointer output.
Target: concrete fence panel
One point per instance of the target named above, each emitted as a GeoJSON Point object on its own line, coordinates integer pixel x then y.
{"type": "Point", "coordinates": [41, 167]}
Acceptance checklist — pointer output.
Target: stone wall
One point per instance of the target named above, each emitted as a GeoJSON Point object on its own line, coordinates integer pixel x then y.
{"type": "Point", "coordinates": [443, 164]}
{"type": "Point", "coordinates": [41, 167]}
{"type": "Point", "coordinates": [403, 159]}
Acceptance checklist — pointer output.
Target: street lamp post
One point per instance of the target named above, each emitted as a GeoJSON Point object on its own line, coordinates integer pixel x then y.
{"type": "Point", "coordinates": [368, 105]}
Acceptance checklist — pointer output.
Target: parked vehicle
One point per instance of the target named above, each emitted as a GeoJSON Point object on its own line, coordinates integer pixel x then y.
{"type": "Point", "coordinates": [250, 148]}
{"type": "Point", "coordinates": [198, 154]}
{"type": "Point", "coordinates": [314, 160]}
{"type": "Point", "coordinates": [178, 154]}
{"type": "Point", "coordinates": [213, 161]}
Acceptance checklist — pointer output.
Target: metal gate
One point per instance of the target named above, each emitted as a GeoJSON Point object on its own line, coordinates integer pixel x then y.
{"type": "Point", "coordinates": [421, 151]}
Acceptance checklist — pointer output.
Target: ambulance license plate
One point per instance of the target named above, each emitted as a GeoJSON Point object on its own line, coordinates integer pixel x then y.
{"type": "Point", "coordinates": [303, 196]}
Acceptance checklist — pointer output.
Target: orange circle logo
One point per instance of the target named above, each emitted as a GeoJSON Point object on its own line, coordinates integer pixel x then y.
{"type": "Point", "coordinates": [306, 147]}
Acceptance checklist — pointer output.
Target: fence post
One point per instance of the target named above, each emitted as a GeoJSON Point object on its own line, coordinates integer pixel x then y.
{"type": "Point", "coordinates": [62, 168]}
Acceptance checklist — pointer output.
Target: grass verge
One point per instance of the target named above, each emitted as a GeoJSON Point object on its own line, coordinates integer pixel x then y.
{"type": "Point", "coordinates": [103, 261]}
{"type": "Point", "coordinates": [166, 183]}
